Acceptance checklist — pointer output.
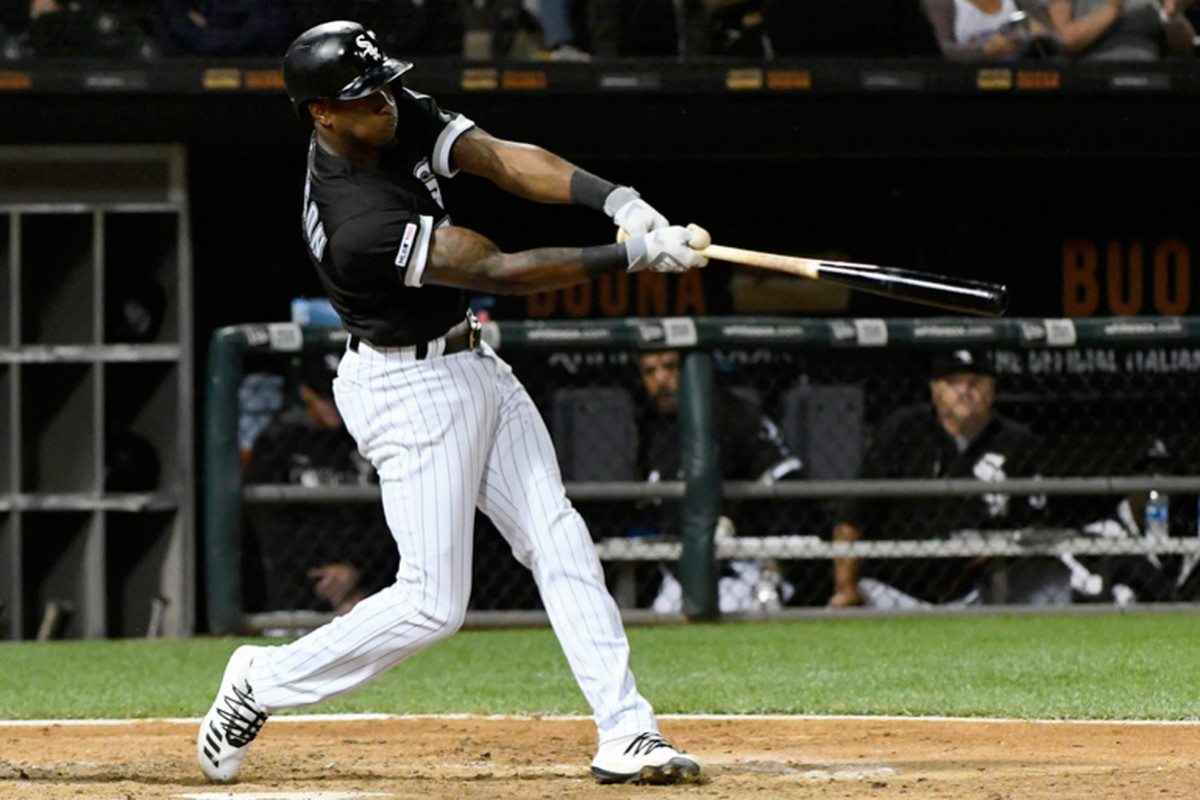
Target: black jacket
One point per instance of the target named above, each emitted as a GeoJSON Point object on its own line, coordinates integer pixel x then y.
{"type": "Point", "coordinates": [912, 444]}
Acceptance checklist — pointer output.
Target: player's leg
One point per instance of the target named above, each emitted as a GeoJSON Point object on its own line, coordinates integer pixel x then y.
{"type": "Point", "coordinates": [522, 493]}
{"type": "Point", "coordinates": [426, 437]}
{"type": "Point", "coordinates": [419, 435]}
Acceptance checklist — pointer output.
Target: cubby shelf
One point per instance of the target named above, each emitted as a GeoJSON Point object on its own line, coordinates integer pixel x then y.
{"type": "Point", "coordinates": [96, 411]}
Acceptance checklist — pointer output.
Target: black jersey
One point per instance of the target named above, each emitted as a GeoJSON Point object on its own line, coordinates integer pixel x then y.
{"type": "Point", "coordinates": [368, 228]}
{"type": "Point", "coordinates": [913, 444]}
{"type": "Point", "coordinates": [750, 444]}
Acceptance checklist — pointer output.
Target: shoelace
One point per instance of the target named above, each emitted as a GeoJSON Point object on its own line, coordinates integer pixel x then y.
{"type": "Point", "coordinates": [242, 720]}
{"type": "Point", "coordinates": [645, 743]}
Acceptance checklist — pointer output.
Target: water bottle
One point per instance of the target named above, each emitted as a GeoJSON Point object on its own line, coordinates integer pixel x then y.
{"type": "Point", "coordinates": [1158, 515]}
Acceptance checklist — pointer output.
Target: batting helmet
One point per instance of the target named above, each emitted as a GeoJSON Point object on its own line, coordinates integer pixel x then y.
{"type": "Point", "coordinates": [338, 60]}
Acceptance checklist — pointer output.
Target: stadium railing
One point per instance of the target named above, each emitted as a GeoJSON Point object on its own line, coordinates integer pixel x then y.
{"type": "Point", "coordinates": [1093, 391]}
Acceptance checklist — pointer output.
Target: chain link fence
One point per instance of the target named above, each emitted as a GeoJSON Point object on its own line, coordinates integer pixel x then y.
{"type": "Point", "coordinates": [1049, 507]}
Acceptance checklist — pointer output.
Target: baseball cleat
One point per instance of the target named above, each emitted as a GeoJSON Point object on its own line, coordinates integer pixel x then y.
{"type": "Point", "coordinates": [643, 758]}
{"type": "Point", "coordinates": [233, 721]}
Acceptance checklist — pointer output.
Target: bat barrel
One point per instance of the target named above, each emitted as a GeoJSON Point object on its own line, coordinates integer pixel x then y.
{"type": "Point", "coordinates": [954, 294]}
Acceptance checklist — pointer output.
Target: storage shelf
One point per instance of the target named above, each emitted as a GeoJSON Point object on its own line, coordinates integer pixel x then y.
{"type": "Point", "coordinates": [115, 207]}
{"type": "Point", "coordinates": [96, 394]}
{"type": "Point", "coordinates": [68, 501]}
{"type": "Point", "coordinates": [81, 354]}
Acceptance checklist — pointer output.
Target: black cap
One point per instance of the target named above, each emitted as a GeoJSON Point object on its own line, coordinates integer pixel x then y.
{"type": "Point", "coordinates": [952, 361]}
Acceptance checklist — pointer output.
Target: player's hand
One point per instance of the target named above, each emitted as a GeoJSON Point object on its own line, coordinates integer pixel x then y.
{"type": "Point", "coordinates": [673, 249]}
{"type": "Point", "coordinates": [631, 213]}
{"type": "Point", "coordinates": [337, 584]}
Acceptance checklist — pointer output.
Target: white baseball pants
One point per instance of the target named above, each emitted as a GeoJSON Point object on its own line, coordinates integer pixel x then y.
{"type": "Point", "coordinates": [447, 434]}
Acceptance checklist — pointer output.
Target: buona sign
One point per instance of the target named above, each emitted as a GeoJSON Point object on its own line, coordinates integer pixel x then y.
{"type": "Point", "coordinates": [1121, 278]}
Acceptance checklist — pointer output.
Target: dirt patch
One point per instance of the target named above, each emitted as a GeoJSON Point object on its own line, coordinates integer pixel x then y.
{"type": "Point", "coordinates": [547, 758]}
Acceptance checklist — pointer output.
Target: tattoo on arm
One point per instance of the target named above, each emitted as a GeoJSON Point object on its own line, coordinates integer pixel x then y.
{"type": "Point", "coordinates": [465, 259]}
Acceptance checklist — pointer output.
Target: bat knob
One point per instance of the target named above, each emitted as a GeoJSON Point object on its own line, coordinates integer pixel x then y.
{"type": "Point", "coordinates": [700, 237]}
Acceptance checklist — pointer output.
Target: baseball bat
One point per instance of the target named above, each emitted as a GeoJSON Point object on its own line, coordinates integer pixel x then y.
{"type": "Point", "coordinates": [942, 291]}
{"type": "Point", "coordinates": [954, 294]}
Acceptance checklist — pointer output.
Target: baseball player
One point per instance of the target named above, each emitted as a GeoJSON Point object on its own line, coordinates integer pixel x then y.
{"type": "Point", "coordinates": [441, 417]}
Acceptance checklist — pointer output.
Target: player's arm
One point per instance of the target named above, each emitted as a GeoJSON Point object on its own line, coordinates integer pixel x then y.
{"type": "Point", "coordinates": [468, 260]}
{"type": "Point", "coordinates": [534, 173]}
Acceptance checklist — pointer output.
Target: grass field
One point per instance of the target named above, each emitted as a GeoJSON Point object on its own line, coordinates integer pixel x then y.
{"type": "Point", "coordinates": [1083, 666]}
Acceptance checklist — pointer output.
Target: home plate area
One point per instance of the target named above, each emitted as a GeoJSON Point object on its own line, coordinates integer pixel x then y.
{"type": "Point", "coordinates": [331, 758]}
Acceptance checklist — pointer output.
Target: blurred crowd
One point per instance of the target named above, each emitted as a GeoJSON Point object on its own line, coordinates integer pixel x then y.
{"type": "Point", "coordinates": [579, 30]}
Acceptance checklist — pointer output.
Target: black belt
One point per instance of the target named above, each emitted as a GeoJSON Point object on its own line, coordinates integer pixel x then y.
{"type": "Point", "coordinates": [466, 340]}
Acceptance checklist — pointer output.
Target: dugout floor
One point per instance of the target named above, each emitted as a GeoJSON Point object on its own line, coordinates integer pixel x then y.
{"type": "Point", "coordinates": [547, 758]}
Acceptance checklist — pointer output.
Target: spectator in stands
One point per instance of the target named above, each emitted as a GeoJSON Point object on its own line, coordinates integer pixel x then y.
{"type": "Point", "coordinates": [675, 28]}
{"type": "Point", "coordinates": [750, 448]}
{"type": "Point", "coordinates": [957, 436]}
{"type": "Point", "coordinates": [735, 28]}
{"type": "Point", "coordinates": [412, 27]}
{"type": "Point", "coordinates": [326, 556]}
{"type": "Point", "coordinates": [647, 28]}
{"type": "Point", "coordinates": [981, 30]}
{"type": "Point", "coordinates": [557, 19]}
{"type": "Point", "coordinates": [93, 28]}
{"type": "Point", "coordinates": [1123, 30]}
{"type": "Point", "coordinates": [223, 27]}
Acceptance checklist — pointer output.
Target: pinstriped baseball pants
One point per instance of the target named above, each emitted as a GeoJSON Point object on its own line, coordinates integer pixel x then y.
{"type": "Point", "coordinates": [446, 435]}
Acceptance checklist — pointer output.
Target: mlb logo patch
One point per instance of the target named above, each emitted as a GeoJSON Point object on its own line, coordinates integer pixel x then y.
{"type": "Point", "coordinates": [406, 244]}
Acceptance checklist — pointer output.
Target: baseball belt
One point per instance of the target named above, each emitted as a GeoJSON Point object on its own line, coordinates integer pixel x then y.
{"type": "Point", "coordinates": [466, 339]}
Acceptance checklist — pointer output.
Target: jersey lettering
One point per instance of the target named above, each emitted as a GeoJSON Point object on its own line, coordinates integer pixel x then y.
{"type": "Point", "coordinates": [424, 173]}
{"type": "Point", "coordinates": [314, 231]}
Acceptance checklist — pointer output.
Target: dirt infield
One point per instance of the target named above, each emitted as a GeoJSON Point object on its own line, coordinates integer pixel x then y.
{"type": "Point", "coordinates": [547, 758]}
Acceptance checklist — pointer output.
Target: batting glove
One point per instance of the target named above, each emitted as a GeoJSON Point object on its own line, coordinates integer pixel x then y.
{"type": "Point", "coordinates": [674, 249]}
{"type": "Point", "coordinates": [631, 213]}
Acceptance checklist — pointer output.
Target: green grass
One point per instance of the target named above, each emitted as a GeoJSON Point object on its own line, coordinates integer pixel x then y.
{"type": "Point", "coordinates": [1124, 666]}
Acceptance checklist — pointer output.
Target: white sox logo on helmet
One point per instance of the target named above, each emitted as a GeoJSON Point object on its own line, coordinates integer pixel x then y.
{"type": "Point", "coordinates": [368, 51]}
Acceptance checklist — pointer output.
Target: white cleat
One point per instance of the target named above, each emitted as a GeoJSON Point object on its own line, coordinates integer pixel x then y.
{"type": "Point", "coordinates": [233, 721]}
{"type": "Point", "coordinates": [644, 758]}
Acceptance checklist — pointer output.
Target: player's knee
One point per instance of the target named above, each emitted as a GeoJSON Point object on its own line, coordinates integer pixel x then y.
{"type": "Point", "coordinates": [444, 619]}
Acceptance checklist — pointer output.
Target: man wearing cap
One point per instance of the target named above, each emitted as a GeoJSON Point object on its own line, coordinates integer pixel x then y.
{"type": "Point", "coordinates": [957, 435]}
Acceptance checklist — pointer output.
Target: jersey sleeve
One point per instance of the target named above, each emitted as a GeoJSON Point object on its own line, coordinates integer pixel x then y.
{"type": "Point", "coordinates": [878, 460]}
{"type": "Point", "coordinates": [752, 446]}
{"type": "Point", "coordinates": [380, 243]}
{"type": "Point", "coordinates": [442, 129]}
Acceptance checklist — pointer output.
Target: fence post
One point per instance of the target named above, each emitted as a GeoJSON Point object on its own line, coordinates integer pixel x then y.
{"type": "Point", "coordinates": [702, 493]}
{"type": "Point", "coordinates": [223, 482]}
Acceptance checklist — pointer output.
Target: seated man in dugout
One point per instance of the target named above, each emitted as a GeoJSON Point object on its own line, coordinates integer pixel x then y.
{"type": "Point", "coordinates": [750, 447]}
{"type": "Point", "coordinates": [1128, 578]}
{"type": "Point", "coordinates": [956, 435]}
{"type": "Point", "coordinates": [313, 556]}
